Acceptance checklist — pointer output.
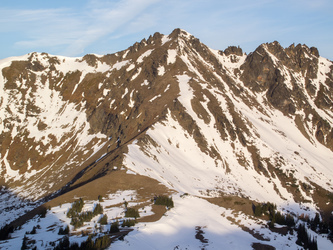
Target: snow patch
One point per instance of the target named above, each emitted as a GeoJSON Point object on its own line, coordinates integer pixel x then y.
{"type": "Point", "coordinates": [145, 83]}
{"type": "Point", "coordinates": [132, 66]}
{"type": "Point", "coordinates": [136, 74]}
{"type": "Point", "coordinates": [161, 70]}
{"type": "Point", "coordinates": [165, 39]}
{"type": "Point", "coordinates": [145, 54]}
{"type": "Point", "coordinates": [172, 55]}
{"type": "Point", "coordinates": [155, 97]}
{"type": "Point", "coordinates": [120, 64]}
{"type": "Point", "coordinates": [125, 93]}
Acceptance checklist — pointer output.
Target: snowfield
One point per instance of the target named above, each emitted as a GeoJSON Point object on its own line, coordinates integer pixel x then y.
{"type": "Point", "coordinates": [178, 229]}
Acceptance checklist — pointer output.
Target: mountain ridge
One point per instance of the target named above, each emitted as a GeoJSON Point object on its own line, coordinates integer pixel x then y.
{"type": "Point", "coordinates": [177, 35]}
{"type": "Point", "coordinates": [200, 121]}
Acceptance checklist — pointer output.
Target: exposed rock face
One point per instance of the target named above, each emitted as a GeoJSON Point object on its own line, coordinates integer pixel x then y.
{"type": "Point", "coordinates": [262, 75]}
{"type": "Point", "coordinates": [233, 50]}
{"type": "Point", "coordinates": [60, 115]}
{"type": "Point", "coordinates": [271, 68]}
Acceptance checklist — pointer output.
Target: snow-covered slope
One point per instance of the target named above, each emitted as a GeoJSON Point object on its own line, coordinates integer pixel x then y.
{"type": "Point", "coordinates": [203, 122]}
{"type": "Point", "coordinates": [40, 124]}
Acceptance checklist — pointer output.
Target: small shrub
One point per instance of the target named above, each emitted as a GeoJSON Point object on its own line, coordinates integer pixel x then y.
{"type": "Point", "coordinates": [43, 212]}
{"type": "Point", "coordinates": [183, 195]}
{"type": "Point", "coordinates": [240, 203]}
{"type": "Point", "coordinates": [128, 223]}
{"type": "Point", "coordinates": [114, 227]}
{"type": "Point", "coordinates": [100, 198]}
{"type": "Point", "coordinates": [132, 212]}
{"type": "Point", "coordinates": [64, 231]}
{"type": "Point", "coordinates": [163, 200]}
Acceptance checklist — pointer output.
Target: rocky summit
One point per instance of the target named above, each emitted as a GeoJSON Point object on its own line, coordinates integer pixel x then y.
{"type": "Point", "coordinates": [168, 144]}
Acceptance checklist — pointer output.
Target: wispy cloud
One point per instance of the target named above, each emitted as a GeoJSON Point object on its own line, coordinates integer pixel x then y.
{"type": "Point", "coordinates": [71, 30]}
{"type": "Point", "coordinates": [44, 28]}
{"type": "Point", "coordinates": [106, 19]}
{"type": "Point", "coordinates": [101, 26]}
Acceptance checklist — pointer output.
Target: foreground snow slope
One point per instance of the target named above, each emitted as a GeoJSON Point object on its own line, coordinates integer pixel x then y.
{"type": "Point", "coordinates": [180, 229]}
{"type": "Point", "coordinates": [185, 226]}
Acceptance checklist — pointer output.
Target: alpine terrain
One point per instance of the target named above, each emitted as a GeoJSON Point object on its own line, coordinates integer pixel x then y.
{"type": "Point", "coordinates": [168, 144]}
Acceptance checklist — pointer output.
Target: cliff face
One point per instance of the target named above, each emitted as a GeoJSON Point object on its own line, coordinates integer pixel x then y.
{"type": "Point", "coordinates": [172, 109]}
{"type": "Point", "coordinates": [295, 80]}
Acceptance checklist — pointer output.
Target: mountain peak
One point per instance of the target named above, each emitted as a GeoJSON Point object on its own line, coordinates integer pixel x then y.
{"type": "Point", "coordinates": [180, 33]}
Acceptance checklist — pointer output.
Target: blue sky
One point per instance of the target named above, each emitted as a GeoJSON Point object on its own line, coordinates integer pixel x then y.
{"type": "Point", "coordinates": [79, 27]}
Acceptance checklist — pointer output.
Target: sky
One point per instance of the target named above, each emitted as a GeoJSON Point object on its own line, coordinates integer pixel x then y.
{"type": "Point", "coordinates": [79, 27]}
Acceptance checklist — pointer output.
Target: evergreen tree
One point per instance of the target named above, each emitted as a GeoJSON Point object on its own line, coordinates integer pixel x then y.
{"type": "Point", "coordinates": [290, 222]}
{"type": "Point", "coordinates": [102, 242]}
{"type": "Point", "coordinates": [103, 220]}
{"type": "Point", "coordinates": [64, 231]}
{"type": "Point", "coordinates": [315, 222]}
{"type": "Point", "coordinates": [88, 244]}
{"type": "Point", "coordinates": [163, 200]}
{"type": "Point", "coordinates": [272, 222]}
{"type": "Point", "coordinates": [257, 211]}
{"type": "Point", "coordinates": [63, 244]}
{"type": "Point", "coordinates": [75, 246]}
{"type": "Point", "coordinates": [24, 243]}
{"type": "Point", "coordinates": [128, 223]}
{"type": "Point", "coordinates": [304, 239]}
{"type": "Point", "coordinates": [34, 230]}
{"type": "Point", "coordinates": [43, 212]}
{"type": "Point", "coordinates": [132, 212]}
{"type": "Point", "coordinates": [5, 231]}
{"type": "Point", "coordinates": [98, 209]}
{"type": "Point", "coordinates": [114, 227]}
{"type": "Point", "coordinates": [302, 235]}
{"type": "Point", "coordinates": [313, 245]}
{"type": "Point", "coordinates": [76, 208]}
{"type": "Point", "coordinates": [330, 226]}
